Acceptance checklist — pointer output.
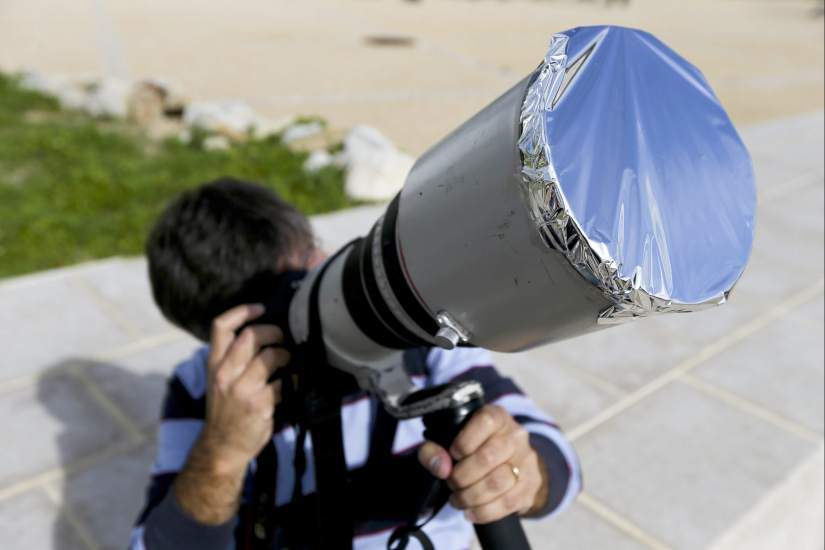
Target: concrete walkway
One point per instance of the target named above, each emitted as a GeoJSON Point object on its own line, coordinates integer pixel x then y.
{"type": "Point", "coordinates": [696, 431]}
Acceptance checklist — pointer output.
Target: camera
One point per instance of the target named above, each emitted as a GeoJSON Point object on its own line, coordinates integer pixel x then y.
{"type": "Point", "coordinates": [606, 186]}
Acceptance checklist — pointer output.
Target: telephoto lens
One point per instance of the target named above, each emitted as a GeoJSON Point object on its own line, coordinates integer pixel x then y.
{"type": "Point", "coordinates": [607, 185]}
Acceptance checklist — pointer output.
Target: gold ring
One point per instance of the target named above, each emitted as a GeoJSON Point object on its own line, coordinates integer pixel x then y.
{"type": "Point", "coordinates": [516, 472]}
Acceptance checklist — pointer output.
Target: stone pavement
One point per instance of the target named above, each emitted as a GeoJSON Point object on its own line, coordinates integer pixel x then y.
{"type": "Point", "coordinates": [452, 57]}
{"type": "Point", "coordinates": [695, 431]}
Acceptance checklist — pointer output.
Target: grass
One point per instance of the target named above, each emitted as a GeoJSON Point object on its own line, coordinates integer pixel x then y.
{"type": "Point", "coordinates": [74, 187]}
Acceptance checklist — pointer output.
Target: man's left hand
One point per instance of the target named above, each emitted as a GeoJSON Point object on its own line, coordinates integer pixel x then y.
{"type": "Point", "coordinates": [491, 467]}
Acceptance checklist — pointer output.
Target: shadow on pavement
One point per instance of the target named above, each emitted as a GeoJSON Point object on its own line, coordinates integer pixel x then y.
{"type": "Point", "coordinates": [108, 462]}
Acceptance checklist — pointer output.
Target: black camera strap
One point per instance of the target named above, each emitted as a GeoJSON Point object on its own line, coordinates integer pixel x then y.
{"type": "Point", "coordinates": [324, 389]}
{"type": "Point", "coordinates": [256, 519]}
{"type": "Point", "coordinates": [438, 497]}
{"type": "Point", "coordinates": [378, 465]}
{"type": "Point", "coordinates": [313, 405]}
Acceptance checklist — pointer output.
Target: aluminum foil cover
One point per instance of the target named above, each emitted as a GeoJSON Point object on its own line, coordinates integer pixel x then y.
{"type": "Point", "coordinates": [633, 170]}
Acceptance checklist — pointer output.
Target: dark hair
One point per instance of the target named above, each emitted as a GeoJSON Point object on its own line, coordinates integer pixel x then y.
{"type": "Point", "coordinates": [220, 245]}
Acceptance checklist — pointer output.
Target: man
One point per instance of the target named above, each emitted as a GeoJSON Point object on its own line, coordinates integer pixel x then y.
{"type": "Point", "coordinates": [214, 257]}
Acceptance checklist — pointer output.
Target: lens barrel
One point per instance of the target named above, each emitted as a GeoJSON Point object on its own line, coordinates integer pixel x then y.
{"type": "Point", "coordinates": [378, 296]}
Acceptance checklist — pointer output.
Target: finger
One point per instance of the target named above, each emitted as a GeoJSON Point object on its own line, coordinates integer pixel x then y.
{"type": "Point", "coordinates": [484, 424]}
{"type": "Point", "coordinates": [537, 490]}
{"type": "Point", "coordinates": [435, 459]}
{"type": "Point", "coordinates": [260, 369]}
{"type": "Point", "coordinates": [225, 325]}
{"type": "Point", "coordinates": [247, 345]}
{"type": "Point", "coordinates": [487, 489]}
{"type": "Point", "coordinates": [509, 503]}
{"type": "Point", "coordinates": [493, 453]}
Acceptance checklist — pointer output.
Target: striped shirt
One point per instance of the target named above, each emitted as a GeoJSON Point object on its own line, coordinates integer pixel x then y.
{"type": "Point", "coordinates": [183, 418]}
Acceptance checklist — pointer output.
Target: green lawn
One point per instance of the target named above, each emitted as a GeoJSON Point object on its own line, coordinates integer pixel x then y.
{"type": "Point", "coordinates": [74, 188]}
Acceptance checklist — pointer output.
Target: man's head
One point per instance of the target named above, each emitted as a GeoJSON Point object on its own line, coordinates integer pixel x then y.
{"type": "Point", "coordinates": [220, 245]}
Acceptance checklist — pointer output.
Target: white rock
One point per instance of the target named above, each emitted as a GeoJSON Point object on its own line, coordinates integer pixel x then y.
{"type": "Point", "coordinates": [234, 119]}
{"type": "Point", "coordinates": [339, 159]}
{"type": "Point", "coordinates": [216, 143]}
{"type": "Point", "coordinates": [299, 132]}
{"type": "Point", "coordinates": [72, 96]}
{"type": "Point", "coordinates": [318, 160]}
{"type": "Point", "coordinates": [69, 93]}
{"type": "Point", "coordinates": [99, 97]}
{"type": "Point", "coordinates": [146, 104]}
{"type": "Point", "coordinates": [38, 82]}
{"type": "Point", "coordinates": [376, 170]}
{"type": "Point", "coordinates": [185, 136]}
{"type": "Point", "coordinates": [173, 98]}
{"type": "Point", "coordinates": [108, 97]}
{"type": "Point", "coordinates": [266, 127]}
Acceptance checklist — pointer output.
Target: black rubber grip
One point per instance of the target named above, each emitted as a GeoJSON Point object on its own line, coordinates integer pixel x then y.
{"type": "Point", "coordinates": [504, 534]}
{"type": "Point", "coordinates": [443, 427]}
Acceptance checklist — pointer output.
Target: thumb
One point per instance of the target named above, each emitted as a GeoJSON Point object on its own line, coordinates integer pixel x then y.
{"type": "Point", "coordinates": [435, 459]}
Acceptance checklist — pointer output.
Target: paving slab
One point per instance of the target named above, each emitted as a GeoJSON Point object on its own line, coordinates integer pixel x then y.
{"type": "Point", "coordinates": [792, 142]}
{"type": "Point", "coordinates": [701, 328]}
{"type": "Point", "coordinates": [108, 497]}
{"type": "Point", "coordinates": [814, 312]}
{"type": "Point", "coordinates": [790, 516]}
{"type": "Point", "coordinates": [48, 319]}
{"type": "Point", "coordinates": [578, 529]}
{"type": "Point", "coordinates": [122, 285]}
{"type": "Point", "coordinates": [778, 178]}
{"type": "Point", "coordinates": [684, 466]}
{"type": "Point", "coordinates": [627, 356]}
{"type": "Point", "coordinates": [30, 521]}
{"type": "Point", "coordinates": [781, 367]}
{"type": "Point", "coordinates": [338, 228]}
{"type": "Point", "coordinates": [160, 358]}
{"type": "Point", "coordinates": [137, 383]}
{"type": "Point", "coordinates": [788, 250]}
{"type": "Point", "coordinates": [788, 164]}
{"type": "Point", "coordinates": [140, 397]}
{"type": "Point", "coordinates": [49, 424]}
{"type": "Point", "coordinates": [566, 394]}
{"type": "Point", "coordinates": [800, 212]}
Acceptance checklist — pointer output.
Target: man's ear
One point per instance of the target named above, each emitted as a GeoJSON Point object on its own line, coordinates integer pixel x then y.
{"type": "Point", "coordinates": [316, 257]}
{"type": "Point", "coordinates": [303, 260]}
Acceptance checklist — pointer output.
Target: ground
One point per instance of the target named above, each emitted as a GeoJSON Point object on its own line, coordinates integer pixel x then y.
{"type": "Point", "coordinates": [763, 57]}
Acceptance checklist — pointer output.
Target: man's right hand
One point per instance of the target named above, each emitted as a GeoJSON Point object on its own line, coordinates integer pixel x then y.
{"type": "Point", "coordinates": [240, 403]}
{"type": "Point", "coordinates": [239, 414]}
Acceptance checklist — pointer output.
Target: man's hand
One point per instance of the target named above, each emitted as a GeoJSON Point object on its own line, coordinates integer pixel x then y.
{"type": "Point", "coordinates": [491, 467]}
{"type": "Point", "coordinates": [239, 402]}
{"type": "Point", "coordinates": [239, 414]}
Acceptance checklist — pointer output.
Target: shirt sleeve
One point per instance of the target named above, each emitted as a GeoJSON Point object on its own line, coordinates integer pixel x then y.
{"type": "Point", "coordinates": [162, 524]}
{"type": "Point", "coordinates": [546, 437]}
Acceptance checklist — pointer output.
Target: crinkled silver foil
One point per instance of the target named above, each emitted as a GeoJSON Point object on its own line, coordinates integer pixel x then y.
{"type": "Point", "coordinates": [658, 208]}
